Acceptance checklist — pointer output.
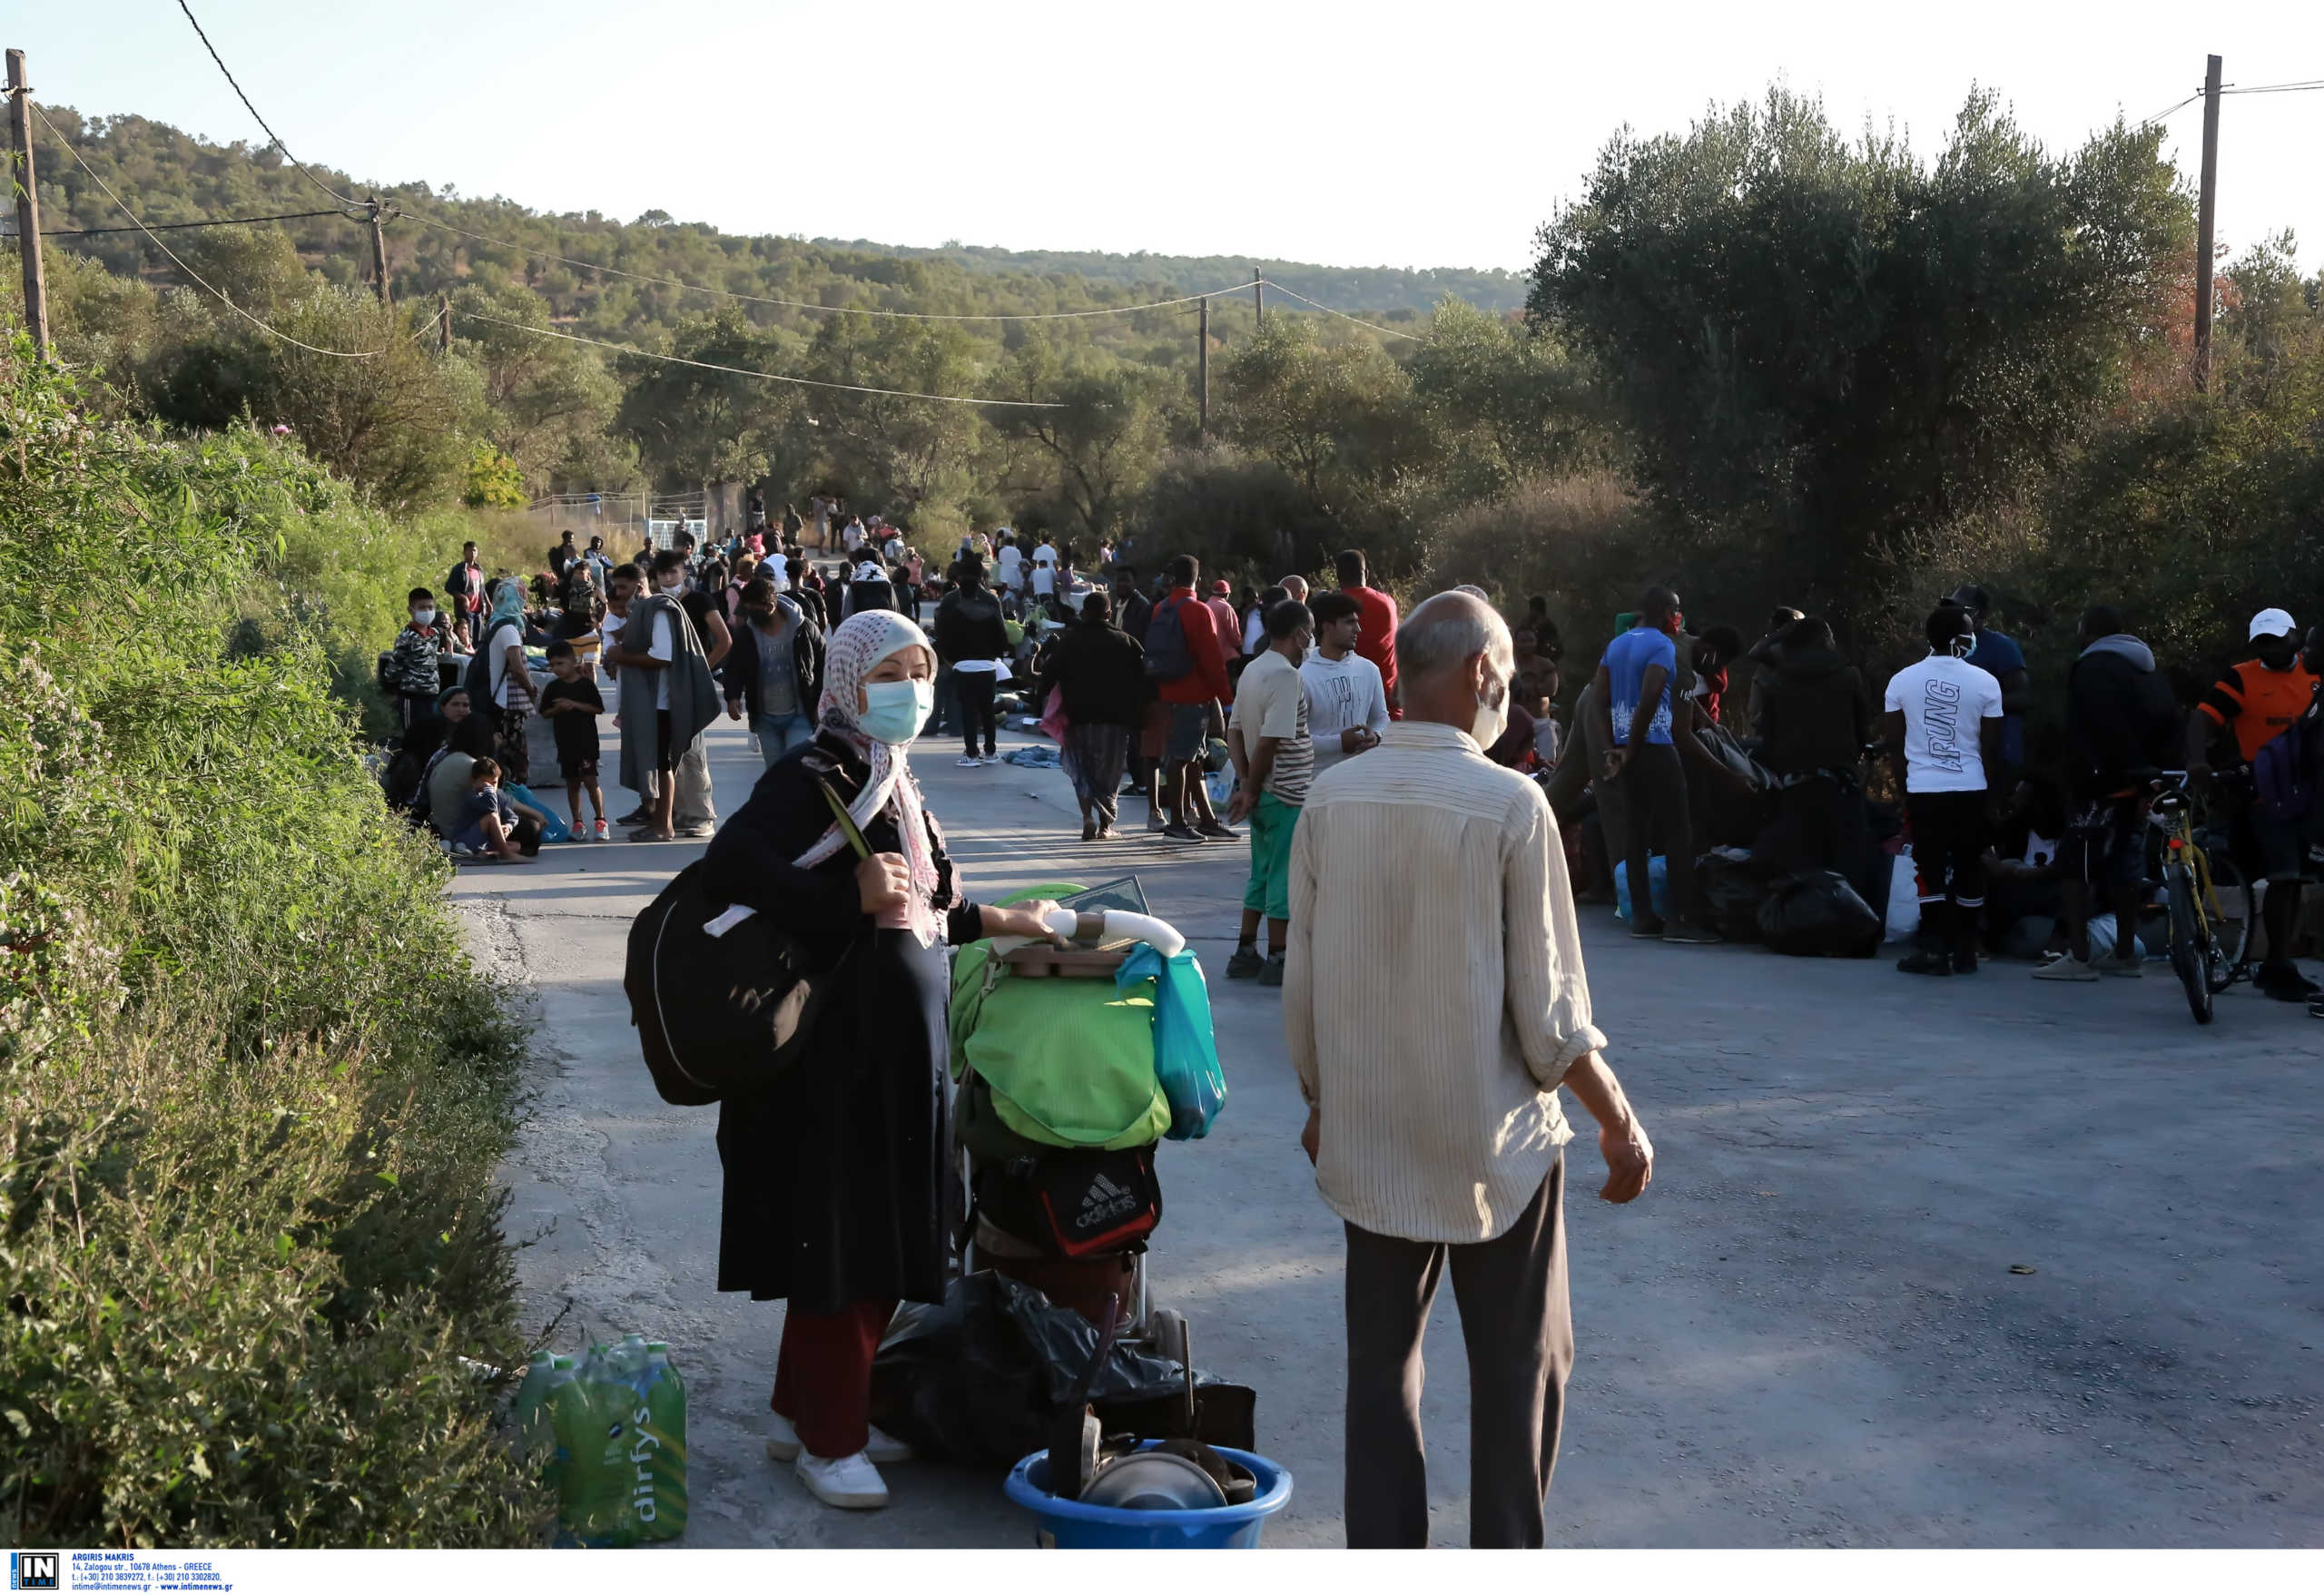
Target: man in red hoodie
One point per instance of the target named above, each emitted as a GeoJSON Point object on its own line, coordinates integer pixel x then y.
{"type": "Point", "coordinates": [1186, 661]}
{"type": "Point", "coordinates": [1376, 641]}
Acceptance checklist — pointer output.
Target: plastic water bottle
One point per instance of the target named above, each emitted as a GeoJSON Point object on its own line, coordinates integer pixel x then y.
{"type": "Point", "coordinates": [623, 1422]}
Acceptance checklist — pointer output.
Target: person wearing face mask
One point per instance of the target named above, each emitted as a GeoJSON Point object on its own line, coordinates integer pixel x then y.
{"type": "Point", "coordinates": [1275, 763]}
{"type": "Point", "coordinates": [668, 698]}
{"type": "Point", "coordinates": [1435, 1002]}
{"type": "Point", "coordinates": [412, 672]}
{"type": "Point", "coordinates": [775, 670]}
{"type": "Point", "coordinates": [839, 1196]}
{"type": "Point", "coordinates": [1633, 703]}
{"type": "Point", "coordinates": [1942, 722]}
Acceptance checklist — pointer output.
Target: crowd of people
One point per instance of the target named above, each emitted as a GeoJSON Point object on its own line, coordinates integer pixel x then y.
{"type": "Point", "coordinates": [1434, 1000]}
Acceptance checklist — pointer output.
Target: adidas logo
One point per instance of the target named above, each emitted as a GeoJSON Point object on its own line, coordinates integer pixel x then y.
{"type": "Point", "coordinates": [1104, 1202]}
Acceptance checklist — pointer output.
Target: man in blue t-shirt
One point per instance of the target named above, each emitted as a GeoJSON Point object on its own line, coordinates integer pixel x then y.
{"type": "Point", "coordinates": [2000, 657]}
{"type": "Point", "coordinates": [1642, 771]}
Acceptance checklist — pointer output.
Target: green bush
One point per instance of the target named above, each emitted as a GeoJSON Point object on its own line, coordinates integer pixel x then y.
{"type": "Point", "coordinates": [252, 1092]}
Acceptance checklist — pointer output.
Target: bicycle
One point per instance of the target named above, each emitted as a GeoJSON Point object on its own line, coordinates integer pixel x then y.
{"type": "Point", "coordinates": [2208, 943]}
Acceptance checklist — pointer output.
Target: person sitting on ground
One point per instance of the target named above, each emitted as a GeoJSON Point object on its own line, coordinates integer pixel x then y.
{"type": "Point", "coordinates": [572, 704]}
{"type": "Point", "coordinates": [414, 673]}
{"type": "Point", "coordinates": [2257, 700]}
{"type": "Point", "coordinates": [2120, 724]}
{"type": "Point", "coordinates": [838, 1175]}
{"type": "Point", "coordinates": [1644, 769]}
{"type": "Point", "coordinates": [1275, 763]}
{"type": "Point", "coordinates": [1347, 704]}
{"type": "Point", "coordinates": [487, 823]}
{"type": "Point", "coordinates": [1098, 672]}
{"type": "Point", "coordinates": [775, 672]}
{"type": "Point", "coordinates": [1941, 726]}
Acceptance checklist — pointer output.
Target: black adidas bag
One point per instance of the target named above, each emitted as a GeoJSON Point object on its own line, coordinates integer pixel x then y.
{"type": "Point", "coordinates": [1073, 1203]}
{"type": "Point", "coordinates": [721, 1013]}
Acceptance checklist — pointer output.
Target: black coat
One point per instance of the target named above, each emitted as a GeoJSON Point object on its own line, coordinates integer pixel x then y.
{"type": "Point", "coordinates": [840, 1186]}
{"type": "Point", "coordinates": [969, 626]}
{"type": "Point", "coordinates": [1813, 713]}
{"type": "Point", "coordinates": [1102, 670]}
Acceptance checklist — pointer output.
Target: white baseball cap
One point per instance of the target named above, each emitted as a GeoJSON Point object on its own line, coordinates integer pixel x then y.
{"type": "Point", "coordinates": [2272, 623]}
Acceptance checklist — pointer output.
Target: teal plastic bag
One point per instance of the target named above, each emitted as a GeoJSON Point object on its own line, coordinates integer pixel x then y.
{"type": "Point", "coordinates": [552, 828]}
{"type": "Point", "coordinates": [1657, 886]}
{"type": "Point", "coordinates": [1186, 1056]}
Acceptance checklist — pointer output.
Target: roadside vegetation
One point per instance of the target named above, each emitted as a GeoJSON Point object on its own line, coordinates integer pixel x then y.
{"type": "Point", "coordinates": [252, 1092]}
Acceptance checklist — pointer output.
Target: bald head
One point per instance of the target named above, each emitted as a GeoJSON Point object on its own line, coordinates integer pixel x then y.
{"type": "Point", "coordinates": [1449, 652]}
{"type": "Point", "coordinates": [1296, 588]}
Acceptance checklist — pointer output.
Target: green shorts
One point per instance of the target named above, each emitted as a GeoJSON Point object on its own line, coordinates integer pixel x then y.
{"type": "Point", "coordinates": [1272, 823]}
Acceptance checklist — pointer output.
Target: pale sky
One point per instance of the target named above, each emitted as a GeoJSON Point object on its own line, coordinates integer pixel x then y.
{"type": "Point", "coordinates": [1345, 133]}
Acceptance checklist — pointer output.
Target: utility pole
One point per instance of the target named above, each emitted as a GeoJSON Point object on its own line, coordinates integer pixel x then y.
{"type": "Point", "coordinates": [2203, 240]}
{"type": "Point", "coordinates": [379, 251]}
{"type": "Point", "coordinates": [1259, 297]}
{"type": "Point", "coordinates": [20, 124]}
{"type": "Point", "coordinates": [1202, 364]}
{"type": "Point", "coordinates": [443, 324]}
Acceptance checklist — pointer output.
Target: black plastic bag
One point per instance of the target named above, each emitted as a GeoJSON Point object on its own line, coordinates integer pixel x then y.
{"type": "Point", "coordinates": [1731, 891]}
{"type": "Point", "coordinates": [1815, 913]}
{"type": "Point", "coordinates": [979, 1379]}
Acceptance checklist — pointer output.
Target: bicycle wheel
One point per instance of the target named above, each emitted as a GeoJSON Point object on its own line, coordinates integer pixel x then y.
{"type": "Point", "coordinates": [2236, 907]}
{"type": "Point", "coordinates": [2191, 940]}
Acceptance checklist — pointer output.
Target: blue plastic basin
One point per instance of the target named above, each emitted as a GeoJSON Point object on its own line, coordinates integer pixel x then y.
{"type": "Point", "coordinates": [1073, 1525]}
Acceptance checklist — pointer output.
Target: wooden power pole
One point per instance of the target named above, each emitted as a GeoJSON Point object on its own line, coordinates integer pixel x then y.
{"type": "Point", "coordinates": [2203, 240]}
{"type": "Point", "coordinates": [1202, 364]}
{"type": "Point", "coordinates": [379, 251]}
{"type": "Point", "coordinates": [1259, 297]}
{"type": "Point", "coordinates": [20, 124]}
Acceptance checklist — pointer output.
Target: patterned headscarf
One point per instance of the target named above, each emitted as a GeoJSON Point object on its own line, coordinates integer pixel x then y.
{"type": "Point", "coordinates": [507, 604]}
{"type": "Point", "coordinates": [856, 648]}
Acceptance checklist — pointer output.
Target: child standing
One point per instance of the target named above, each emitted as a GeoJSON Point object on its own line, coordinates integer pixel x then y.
{"type": "Point", "coordinates": [573, 705]}
{"type": "Point", "coordinates": [411, 673]}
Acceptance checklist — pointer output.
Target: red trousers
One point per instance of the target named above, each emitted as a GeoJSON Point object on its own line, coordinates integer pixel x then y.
{"type": "Point", "coordinates": [823, 1375]}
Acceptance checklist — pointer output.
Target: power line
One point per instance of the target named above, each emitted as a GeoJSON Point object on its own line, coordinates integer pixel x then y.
{"type": "Point", "coordinates": [796, 304]}
{"type": "Point", "coordinates": [178, 226]}
{"type": "Point", "coordinates": [1343, 315]}
{"type": "Point", "coordinates": [762, 376]}
{"type": "Point", "coordinates": [344, 354]}
{"type": "Point", "coordinates": [2297, 88]}
{"type": "Point", "coordinates": [2173, 111]}
{"type": "Point", "coordinates": [245, 99]}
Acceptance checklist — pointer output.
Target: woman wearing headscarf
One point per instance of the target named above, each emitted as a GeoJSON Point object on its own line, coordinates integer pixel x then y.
{"type": "Point", "coordinates": [839, 1192]}
{"type": "Point", "coordinates": [511, 682]}
{"type": "Point", "coordinates": [1099, 671]}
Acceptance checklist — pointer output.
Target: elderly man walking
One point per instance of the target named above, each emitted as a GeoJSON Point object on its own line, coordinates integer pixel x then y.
{"type": "Point", "coordinates": [1435, 1002]}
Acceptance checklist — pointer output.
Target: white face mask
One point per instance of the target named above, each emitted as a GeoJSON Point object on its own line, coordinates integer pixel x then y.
{"type": "Point", "coordinates": [894, 711]}
{"type": "Point", "coordinates": [674, 583]}
{"type": "Point", "coordinates": [1492, 714]}
{"type": "Point", "coordinates": [423, 617]}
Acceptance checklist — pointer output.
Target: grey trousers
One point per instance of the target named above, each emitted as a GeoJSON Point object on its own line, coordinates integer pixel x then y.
{"type": "Point", "coordinates": [1518, 1330]}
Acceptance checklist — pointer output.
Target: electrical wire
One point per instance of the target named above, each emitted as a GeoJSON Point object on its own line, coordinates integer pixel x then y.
{"type": "Point", "coordinates": [2173, 111]}
{"type": "Point", "coordinates": [763, 376]}
{"type": "Point", "coordinates": [245, 99]}
{"type": "Point", "coordinates": [2297, 88]}
{"type": "Point", "coordinates": [796, 304]}
{"type": "Point", "coordinates": [1343, 315]}
{"type": "Point", "coordinates": [344, 354]}
{"type": "Point", "coordinates": [179, 226]}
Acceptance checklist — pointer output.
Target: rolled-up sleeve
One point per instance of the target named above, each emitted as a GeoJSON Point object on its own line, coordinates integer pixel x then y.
{"type": "Point", "coordinates": [1547, 990]}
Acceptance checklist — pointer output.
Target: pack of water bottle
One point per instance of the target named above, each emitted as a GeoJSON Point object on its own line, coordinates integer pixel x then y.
{"type": "Point", "coordinates": [612, 1433]}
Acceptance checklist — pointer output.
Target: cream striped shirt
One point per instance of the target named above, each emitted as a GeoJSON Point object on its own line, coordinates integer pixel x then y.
{"type": "Point", "coordinates": [1434, 996]}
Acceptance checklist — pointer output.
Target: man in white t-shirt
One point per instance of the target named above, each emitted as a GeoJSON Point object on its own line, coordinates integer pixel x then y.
{"type": "Point", "coordinates": [1012, 567]}
{"type": "Point", "coordinates": [1046, 553]}
{"type": "Point", "coordinates": [1942, 727]}
{"type": "Point", "coordinates": [1347, 705]}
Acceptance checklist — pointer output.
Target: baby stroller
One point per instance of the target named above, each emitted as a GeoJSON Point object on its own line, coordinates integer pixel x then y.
{"type": "Point", "coordinates": [1071, 1063]}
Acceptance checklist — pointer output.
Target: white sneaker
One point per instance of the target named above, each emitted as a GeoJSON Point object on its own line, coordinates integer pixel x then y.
{"type": "Point", "coordinates": [2066, 969]}
{"type": "Point", "coordinates": [783, 1445]}
{"type": "Point", "coordinates": [849, 1482]}
{"type": "Point", "coordinates": [969, 762]}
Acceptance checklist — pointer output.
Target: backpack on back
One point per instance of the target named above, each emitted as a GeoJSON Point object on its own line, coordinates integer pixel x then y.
{"type": "Point", "coordinates": [1167, 657]}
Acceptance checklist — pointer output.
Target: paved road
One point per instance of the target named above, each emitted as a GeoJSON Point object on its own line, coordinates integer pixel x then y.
{"type": "Point", "coordinates": [1807, 1333]}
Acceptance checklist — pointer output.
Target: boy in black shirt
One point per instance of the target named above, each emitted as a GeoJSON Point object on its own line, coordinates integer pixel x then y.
{"type": "Point", "coordinates": [573, 705]}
